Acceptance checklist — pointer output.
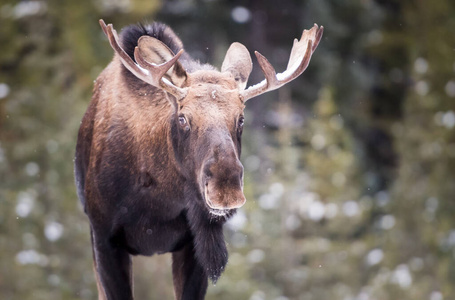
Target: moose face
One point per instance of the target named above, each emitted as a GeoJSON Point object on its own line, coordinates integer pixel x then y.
{"type": "Point", "coordinates": [210, 124]}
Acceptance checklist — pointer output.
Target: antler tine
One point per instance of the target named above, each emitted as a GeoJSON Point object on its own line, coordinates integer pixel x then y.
{"type": "Point", "coordinates": [111, 34]}
{"type": "Point", "coordinates": [267, 69]}
{"type": "Point", "coordinates": [318, 37]}
{"type": "Point", "coordinates": [297, 64]}
{"type": "Point", "coordinates": [103, 26]}
{"type": "Point", "coordinates": [152, 75]}
{"type": "Point", "coordinates": [157, 72]}
{"type": "Point", "coordinates": [264, 85]}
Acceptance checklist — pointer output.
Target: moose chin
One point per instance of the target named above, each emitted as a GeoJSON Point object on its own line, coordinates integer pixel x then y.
{"type": "Point", "coordinates": [157, 162]}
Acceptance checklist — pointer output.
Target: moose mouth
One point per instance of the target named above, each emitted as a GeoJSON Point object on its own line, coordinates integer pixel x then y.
{"type": "Point", "coordinates": [219, 212]}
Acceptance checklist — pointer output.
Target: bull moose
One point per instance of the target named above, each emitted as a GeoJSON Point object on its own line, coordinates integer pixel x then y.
{"type": "Point", "coordinates": [157, 164]}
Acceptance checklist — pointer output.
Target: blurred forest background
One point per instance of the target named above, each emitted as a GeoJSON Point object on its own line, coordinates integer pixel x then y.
{"type": "Point", "coordinates": [350, 169]}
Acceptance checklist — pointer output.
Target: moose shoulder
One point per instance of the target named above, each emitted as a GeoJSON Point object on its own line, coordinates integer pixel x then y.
{"type": "Point", "coordinates": [157, 158]}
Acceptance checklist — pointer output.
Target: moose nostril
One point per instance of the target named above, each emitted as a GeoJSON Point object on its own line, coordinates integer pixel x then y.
{"type": "Point", "coordinates": [206, 167]}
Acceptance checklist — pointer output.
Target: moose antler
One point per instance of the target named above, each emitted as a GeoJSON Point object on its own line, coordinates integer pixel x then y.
{"type": "Point", "coordinates": [298, 61]}
{"type": "Point", "coordinates": [144, 70]}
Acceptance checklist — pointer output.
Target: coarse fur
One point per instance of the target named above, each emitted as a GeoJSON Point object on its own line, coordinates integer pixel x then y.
{"type": "Point", "coordinates": [131, 34]}
{"type": "Point", "coordinates": [144, 179]}
{"type": "Point", "coordinates": [157, 163]}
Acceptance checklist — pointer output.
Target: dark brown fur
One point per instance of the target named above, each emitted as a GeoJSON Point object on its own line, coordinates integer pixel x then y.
{"type": "Point", "coordinates": [157, 158]}
{"type": "Point", "coordinates": [147, 183]}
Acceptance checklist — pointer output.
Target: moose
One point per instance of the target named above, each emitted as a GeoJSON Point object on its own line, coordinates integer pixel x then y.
{"type": "Point", "coordinates": [157, 163]}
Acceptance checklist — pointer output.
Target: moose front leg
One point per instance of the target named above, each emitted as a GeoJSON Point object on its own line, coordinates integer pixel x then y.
{"type": "Point", "coordinates": [101, 294]}
{"type": "Point", "coordinates": [113, 270]}
{"type": "Point", "coordinates": [190, 279]}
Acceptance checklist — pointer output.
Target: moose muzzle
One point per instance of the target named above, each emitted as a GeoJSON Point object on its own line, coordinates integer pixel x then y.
{"type": "Point", "coordinates": [223, 183]}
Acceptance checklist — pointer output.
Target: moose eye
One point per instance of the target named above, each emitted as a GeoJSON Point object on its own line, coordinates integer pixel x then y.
{"type": "Point", "coordinates": [182, 121]}
{"type": "Point", "coordinates": [241, 121]}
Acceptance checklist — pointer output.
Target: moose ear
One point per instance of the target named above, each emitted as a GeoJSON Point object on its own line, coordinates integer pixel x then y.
{"type": "Point", "coordinates": [238, 63]}
{"type": "Point", "coordinates": [156, 52]}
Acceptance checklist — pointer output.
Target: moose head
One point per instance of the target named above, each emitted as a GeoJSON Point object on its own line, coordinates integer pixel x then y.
{"type": "Point", "coordinates": [207, 119]}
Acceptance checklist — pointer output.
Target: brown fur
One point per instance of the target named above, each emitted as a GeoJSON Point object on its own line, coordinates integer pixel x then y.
{"type": "Point", "coordinates": [157, 162]}
{"type": "Point", "coordinates": [145, 180]}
